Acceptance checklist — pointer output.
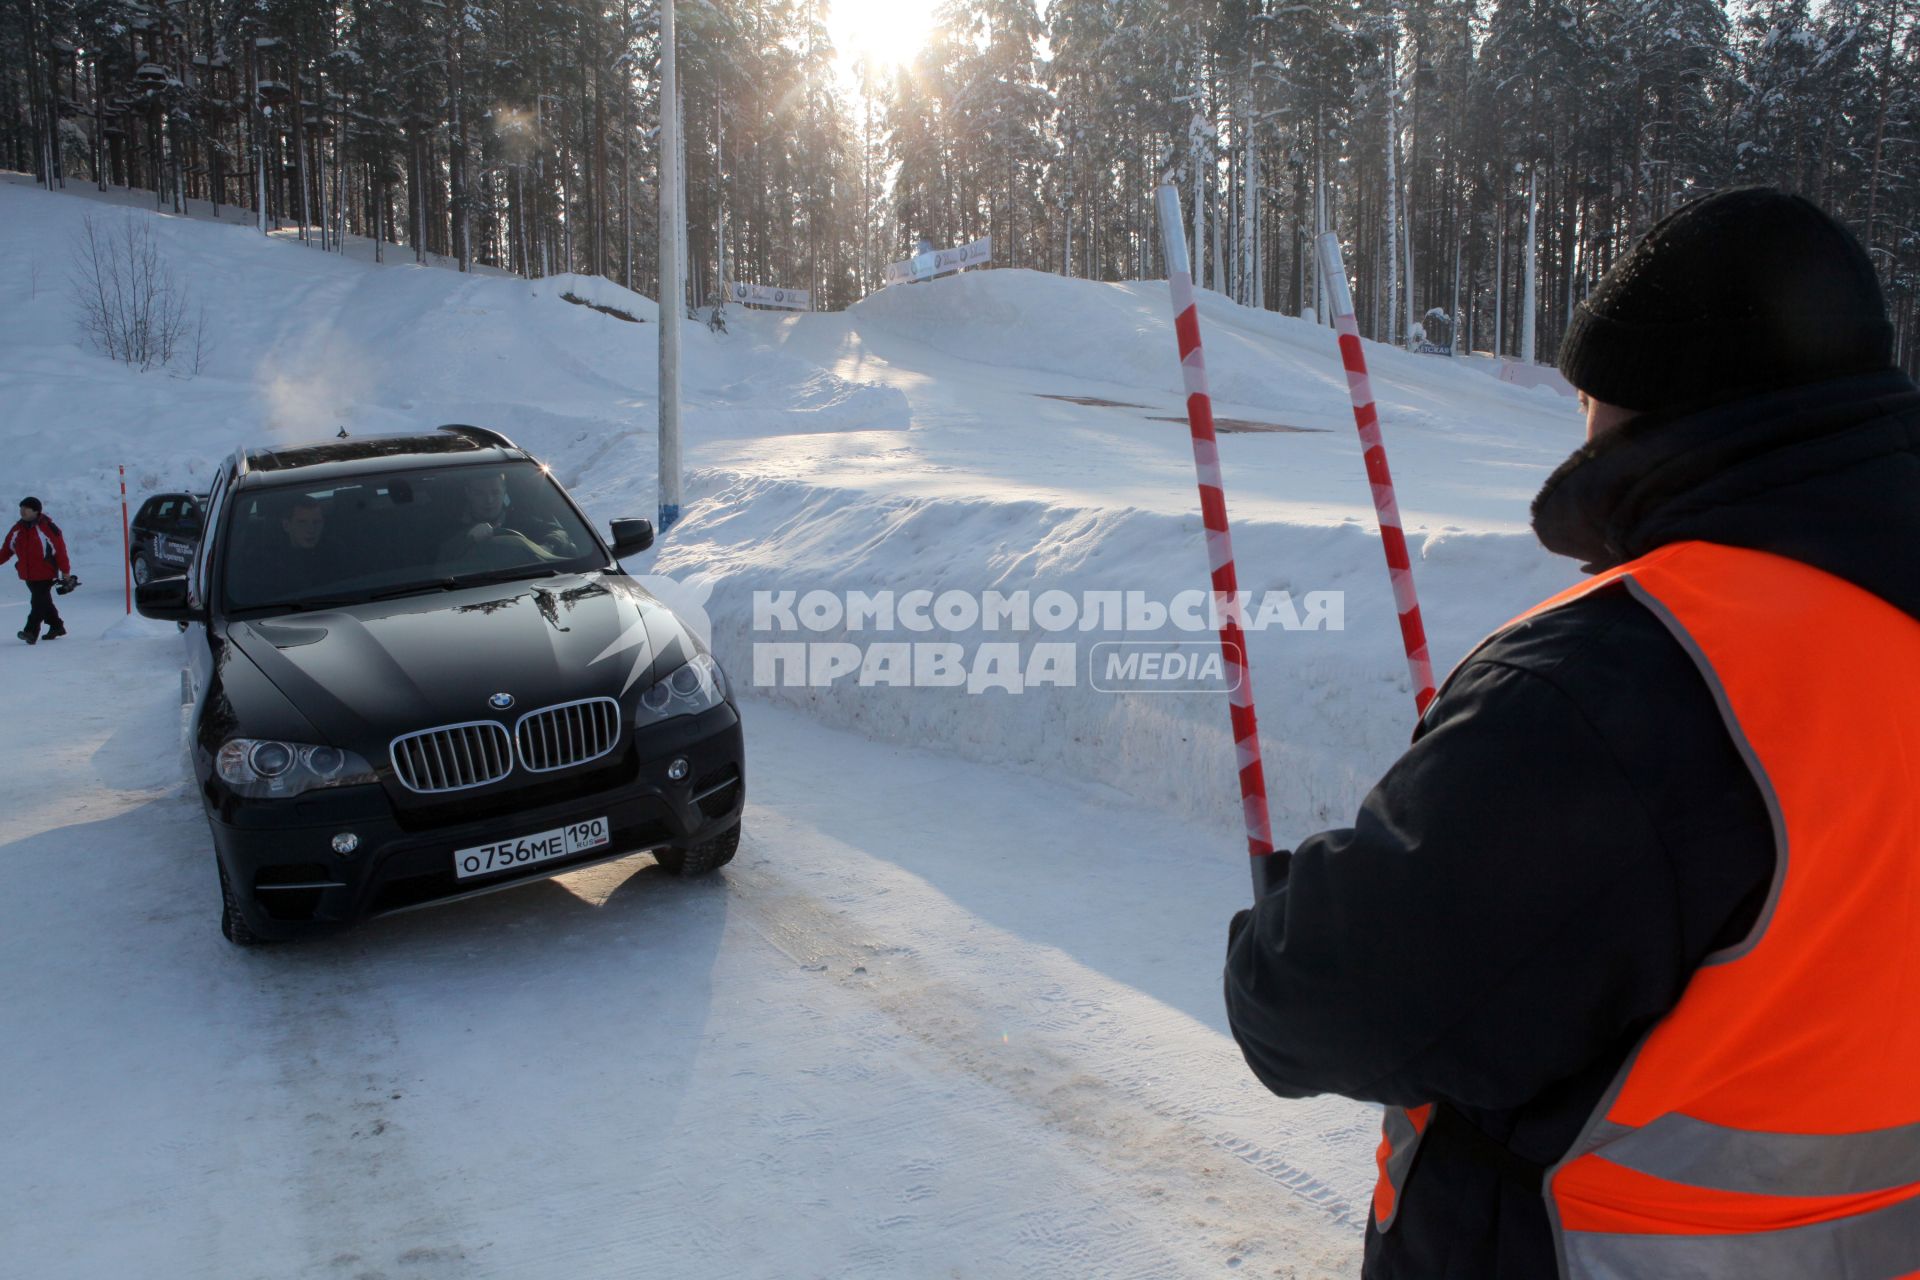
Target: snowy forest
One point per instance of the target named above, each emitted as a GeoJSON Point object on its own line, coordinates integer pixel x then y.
{"type": "Point", "coordinates": [1440, 138]}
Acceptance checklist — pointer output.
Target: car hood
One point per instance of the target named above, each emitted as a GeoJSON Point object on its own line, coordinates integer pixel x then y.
{"type": "Point", "coordinates": [368, 673]}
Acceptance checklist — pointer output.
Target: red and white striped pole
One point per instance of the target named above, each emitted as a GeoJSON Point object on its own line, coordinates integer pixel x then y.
{"type": "Point", "coordinates": [126, 539]}
{"type": "Point", "coordinates": [1213, 514]}
{"type": "Point", "coordinates": [1393, 541]}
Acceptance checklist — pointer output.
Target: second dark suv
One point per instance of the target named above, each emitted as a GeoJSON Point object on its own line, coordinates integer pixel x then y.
{"type": "Point", "coordinates": [419, 674]}
{"type": "Point", "coordinates": [162, 535]}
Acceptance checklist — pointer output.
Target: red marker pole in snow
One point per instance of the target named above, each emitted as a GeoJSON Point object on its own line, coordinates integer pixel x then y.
{"type": "Point", "coordinates": [126, 538]}
{"type": "Point", "coordinates": [1393, 541]}
{"type": "Point", "coordinates": [1213, 513]}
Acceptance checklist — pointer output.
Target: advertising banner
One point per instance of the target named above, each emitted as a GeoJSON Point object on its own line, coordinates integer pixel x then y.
{"type": "Point", "coordinates": [764, 295]}
{"type": "Point", "coordinates": [925, 266]}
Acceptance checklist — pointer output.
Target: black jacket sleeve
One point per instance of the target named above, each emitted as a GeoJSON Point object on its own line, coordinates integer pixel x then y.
{"type": "Point", "coordinates": [1508, 900]}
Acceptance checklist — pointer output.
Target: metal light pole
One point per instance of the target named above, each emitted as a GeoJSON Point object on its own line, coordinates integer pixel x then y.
{"type": "Point", "coordinates": [670, 290]}
{"type": "Point", "coordinates": [1528, 303]}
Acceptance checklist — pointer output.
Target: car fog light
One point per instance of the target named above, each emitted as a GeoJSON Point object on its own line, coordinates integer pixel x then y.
{"type": "Point", "coordinates": [679, 769]}
{"type": "Point", "coordinates": [345, 843]}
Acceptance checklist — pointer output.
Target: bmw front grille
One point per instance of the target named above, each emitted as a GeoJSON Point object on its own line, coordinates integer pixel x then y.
{"type": "Point", "coordinates": [453, 757]}
{"type": "Point", "coordinates": [567, 734]}
{"type": "Point", "coordinates": [456, 757]}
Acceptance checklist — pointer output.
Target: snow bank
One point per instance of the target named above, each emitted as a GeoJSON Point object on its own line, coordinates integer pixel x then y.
{"type": "Point", "coordinates": [1049, 454]}
{"type": "Point", "coordinates": [597, 291]}
{"type": "Point", "coordinates": [1335, 706]}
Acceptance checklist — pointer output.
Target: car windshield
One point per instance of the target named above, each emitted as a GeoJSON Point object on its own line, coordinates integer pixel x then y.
{"type": "Point", "coordinates": [349, 541]}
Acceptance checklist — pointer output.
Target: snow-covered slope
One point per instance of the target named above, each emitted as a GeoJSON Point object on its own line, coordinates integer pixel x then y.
{"type": "Point", "coordinates": [990, 348]}
{"type": "Point", "coordinates": [1047, 451]}
{"type": "Point", "coordinates": [301, 344]}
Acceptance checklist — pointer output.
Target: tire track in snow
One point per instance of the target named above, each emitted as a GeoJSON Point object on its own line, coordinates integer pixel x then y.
{"type": "Point", "coordinates": [1111, 1071]}
{"type": "Point", "coordinates": [368, 1207]}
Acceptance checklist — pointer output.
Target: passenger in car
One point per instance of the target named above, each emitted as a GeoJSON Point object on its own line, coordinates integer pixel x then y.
{"type": "Point", "coordinates": [305, 524]}
{"type": "Point", "coordinates": [283, 567]}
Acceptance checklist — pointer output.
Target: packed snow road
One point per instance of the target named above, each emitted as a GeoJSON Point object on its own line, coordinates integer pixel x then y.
{"type": "Point", "coordinates": [937, 1019]}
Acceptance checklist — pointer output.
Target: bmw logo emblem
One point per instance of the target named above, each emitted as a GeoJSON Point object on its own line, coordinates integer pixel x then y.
{"type": "Point", "coordinates": [500, 701]}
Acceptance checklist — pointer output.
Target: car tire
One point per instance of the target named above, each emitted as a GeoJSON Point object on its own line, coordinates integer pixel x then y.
{"type": "Point", "coordinates": [142, 571]}
{"type": "Point", "coordinates": [700, 859]}
{"type": "Point", "coordinates": [233, 925]}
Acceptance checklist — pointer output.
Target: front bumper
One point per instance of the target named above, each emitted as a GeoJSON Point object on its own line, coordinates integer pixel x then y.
{"type": "Point", "coordinates": [290, 883]}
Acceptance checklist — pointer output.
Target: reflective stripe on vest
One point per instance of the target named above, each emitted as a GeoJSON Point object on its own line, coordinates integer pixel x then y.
{"type": "Point", "coordinates": [1400, 1134]}
{"type": "Point", "coordinates": [1769, 1125]}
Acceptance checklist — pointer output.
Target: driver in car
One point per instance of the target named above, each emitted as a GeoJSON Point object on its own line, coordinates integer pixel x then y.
{"type": "Point", "coordinates": [486, 517]}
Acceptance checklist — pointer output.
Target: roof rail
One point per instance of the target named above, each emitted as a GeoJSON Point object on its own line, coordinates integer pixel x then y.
{"type": "Point", "coordinates": [482, 435]}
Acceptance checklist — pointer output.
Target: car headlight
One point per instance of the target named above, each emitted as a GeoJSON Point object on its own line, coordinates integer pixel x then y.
{"type": "Point", "coordinates": [263, 767]}
{"type": "Point", "coordinates": [697, 686]}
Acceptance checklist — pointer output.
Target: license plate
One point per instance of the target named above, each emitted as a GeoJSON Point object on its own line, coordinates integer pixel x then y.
{"type": "Point", "coordinates": [524, 851]}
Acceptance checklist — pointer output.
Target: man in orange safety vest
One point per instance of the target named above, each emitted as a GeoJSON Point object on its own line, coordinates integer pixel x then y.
{"type": "Point", "coordinates": [1628, 940]}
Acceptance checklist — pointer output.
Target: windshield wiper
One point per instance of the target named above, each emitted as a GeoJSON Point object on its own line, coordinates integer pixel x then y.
{"type": "Point", "coordinates": [415, 588]}
{"type": "Point", "coordinates": [503, 575]}
{"type": "Point", "coordinates": [312, 606]}
{"type": "Point", "coordinates": [457, 581]}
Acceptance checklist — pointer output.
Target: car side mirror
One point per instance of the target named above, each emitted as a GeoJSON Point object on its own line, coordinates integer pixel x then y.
{"type": "Point", "coordinates": [631, 536]}
{"type": "Point", "coordinates": [165, 600]}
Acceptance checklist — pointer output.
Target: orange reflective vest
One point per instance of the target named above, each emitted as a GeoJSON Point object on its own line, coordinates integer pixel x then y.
{"type": "Point", "coordinates": [1769, 1125]}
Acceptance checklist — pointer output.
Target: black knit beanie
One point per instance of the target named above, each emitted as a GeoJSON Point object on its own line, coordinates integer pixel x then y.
{"type": "Point", "coordinates": [32, 503]}
{"type": "Point", "coordinates": [1742, 292]}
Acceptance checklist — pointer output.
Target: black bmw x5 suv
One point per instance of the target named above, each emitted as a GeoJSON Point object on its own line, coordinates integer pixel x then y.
{"type": "Point", "coordinates": [419, 674]}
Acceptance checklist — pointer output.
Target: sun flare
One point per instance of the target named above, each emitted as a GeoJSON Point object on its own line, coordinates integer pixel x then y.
{"type": "Point", "coordinates": [890, 32]}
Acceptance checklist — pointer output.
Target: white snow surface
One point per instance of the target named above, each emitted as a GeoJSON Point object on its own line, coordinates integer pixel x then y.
{"type": "Point", "coordinates": [954, 1010]}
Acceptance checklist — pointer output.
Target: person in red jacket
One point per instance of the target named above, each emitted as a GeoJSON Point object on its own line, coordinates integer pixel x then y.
{"type": "Point", "coordinates": [39, 554]}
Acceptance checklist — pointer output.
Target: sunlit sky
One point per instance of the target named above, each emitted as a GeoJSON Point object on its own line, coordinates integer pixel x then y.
{"type": "Point", "coordinates": [888, 31]}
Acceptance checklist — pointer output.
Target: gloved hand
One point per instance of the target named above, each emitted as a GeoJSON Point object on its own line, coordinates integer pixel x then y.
{"type": "Point", "coordinates": [1238, 923]}
{"type": "Point", "coordinates": [1271, 875]}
